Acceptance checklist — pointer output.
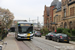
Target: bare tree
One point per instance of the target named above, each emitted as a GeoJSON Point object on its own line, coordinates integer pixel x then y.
{"type": "Point", "coordinates": [6, 18]}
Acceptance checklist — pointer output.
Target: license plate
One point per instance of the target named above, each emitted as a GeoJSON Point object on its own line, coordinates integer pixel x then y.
{"type": "Point", "coordinates": [28, 34]}
{"type": "Point", "coordinates": [65, 40]}
{"type": "Point", "coordinates": [28, 38]}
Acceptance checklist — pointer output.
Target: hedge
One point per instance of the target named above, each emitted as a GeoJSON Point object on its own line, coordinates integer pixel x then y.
{"type": "Point", "coordinates": [65, 31]}
{"type": "Point", "coordinates": [44, 31]}
{"type": "Point", "coordinates": [73, 32]}
{"type": "Point", "coordinates": [60, 30]}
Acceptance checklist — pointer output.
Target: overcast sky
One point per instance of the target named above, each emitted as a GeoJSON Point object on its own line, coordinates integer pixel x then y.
{"type": "Point", "coordinates": [25, 9]}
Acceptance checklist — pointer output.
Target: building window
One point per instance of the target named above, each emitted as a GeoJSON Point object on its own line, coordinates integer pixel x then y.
{"type": "Point", "coordinates": [70, 24]}
{"type": "Point", "coordinates": [69, 0]}
{"type": "Point", "coordinates": [64, 12]}
{"type": "Point", "coordinates": [72, 11]}
{"type": "Point", "coordinates": [50, 18]}
{"type": "Point", "coordinates": [59, 19]}
{"type": "Point", "coordinates": [53, 28]}
{"type": "Point", "coordinates": [61, 24]}
{"type": "Point", "coordinates": [65, 25]}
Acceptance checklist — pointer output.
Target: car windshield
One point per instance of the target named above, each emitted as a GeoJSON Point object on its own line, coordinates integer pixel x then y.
{"type": "Point", "coordinates": [38, 31]}
{"type": "Point", "coordinates": [64, 35]}
{"type": "Point", "coordinates": [53, 34]}
{"type": "Point", "coordinates": [49, 33]}
{"type": "Point", "coordinates": [25, 29]}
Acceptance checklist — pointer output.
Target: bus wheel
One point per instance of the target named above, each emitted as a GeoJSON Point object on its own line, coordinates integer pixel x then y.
{"type": "Point", "coordinates": [17, 39]}
{"type": "Point", "coordinates": [29, 39]}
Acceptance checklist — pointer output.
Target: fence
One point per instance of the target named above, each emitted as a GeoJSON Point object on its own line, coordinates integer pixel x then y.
{"type": "Point", "coordinates": [72, 38]}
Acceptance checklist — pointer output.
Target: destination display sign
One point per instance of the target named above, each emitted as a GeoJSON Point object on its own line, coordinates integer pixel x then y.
{"type": "Point", "coordinates": [24, 24]}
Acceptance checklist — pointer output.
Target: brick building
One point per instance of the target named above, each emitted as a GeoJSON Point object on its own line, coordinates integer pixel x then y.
{"type": "Point", "coordinates": [48, 15]}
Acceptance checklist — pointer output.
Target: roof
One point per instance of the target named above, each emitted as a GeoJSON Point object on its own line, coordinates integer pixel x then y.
{"type": "Point", "coordinates": [58, 6]}
{"type": "Point", "coordinates": [54, 2]}
{"type": "Point", "coordinates": [24, 22]}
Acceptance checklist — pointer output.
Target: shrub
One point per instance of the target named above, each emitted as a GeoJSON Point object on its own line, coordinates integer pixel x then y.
{"type": "Point", "coordinates": [59, 30]}
{"type": "Point", "coordinates": [41, 31]}
{"type": "Point", "coordinates": [73, 32]}
{"type": "Point", "coordinates": [69, 34]}
{"type": "Point", "coordinates": [45, 31]}
{"type": "Point", "coordinates": [45, 34]}
{"type": "Point", "coordinates": [66, 31]}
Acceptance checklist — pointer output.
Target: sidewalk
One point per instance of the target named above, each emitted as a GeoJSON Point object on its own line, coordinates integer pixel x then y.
{"type": "Point", "coordinates": [72, 42]}
{"type": "Point", "coordinates": [11, 43]}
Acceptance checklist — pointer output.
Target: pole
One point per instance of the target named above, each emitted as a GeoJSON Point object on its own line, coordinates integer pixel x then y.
{"type": "Point", "coordinates": [37, 19]}
{"type": "Point", "coordinates": [29, 19]}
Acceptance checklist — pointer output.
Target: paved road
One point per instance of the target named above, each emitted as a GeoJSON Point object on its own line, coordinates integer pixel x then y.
{"type": "Point", "coordinates": [42, 44]}
{"type": "Point", "coordinates": [22, 46]}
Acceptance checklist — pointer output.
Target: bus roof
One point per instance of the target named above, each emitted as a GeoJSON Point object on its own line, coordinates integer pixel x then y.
{"type": "Point", "coordinates": [24, 22]}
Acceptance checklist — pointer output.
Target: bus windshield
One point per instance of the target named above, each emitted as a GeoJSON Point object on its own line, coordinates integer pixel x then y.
{"type": "Point", "coordinates": [25, 29]}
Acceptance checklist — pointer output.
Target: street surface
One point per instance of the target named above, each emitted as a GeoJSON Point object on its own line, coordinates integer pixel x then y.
{"type": "Point", "coordinates": [40, 43]}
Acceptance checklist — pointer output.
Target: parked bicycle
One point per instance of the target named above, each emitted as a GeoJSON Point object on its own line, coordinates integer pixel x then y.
{"type": "Point", "coordinates": [3, 43]}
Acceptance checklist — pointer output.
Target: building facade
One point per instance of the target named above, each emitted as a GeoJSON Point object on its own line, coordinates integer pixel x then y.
{"type": "Point", "coordinates": [57, 16]}
{"type": "Point", "coordinates": [46, 17]}
{"type": "Point", "coordinates": [68, 13]}
{"type": "Point", "coordinates": [62, 14]}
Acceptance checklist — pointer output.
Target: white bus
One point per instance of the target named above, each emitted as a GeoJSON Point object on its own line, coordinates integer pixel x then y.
{"type": "Point", "coordinates": [24, 30]}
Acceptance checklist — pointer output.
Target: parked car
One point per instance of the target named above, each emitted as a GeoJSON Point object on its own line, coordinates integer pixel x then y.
{"type": "Point", "coordinates": [49, 35]}
{"type": "Point", "coordinates": [37, 33]}
{"type": "Point", "coordinates": [61, 38]}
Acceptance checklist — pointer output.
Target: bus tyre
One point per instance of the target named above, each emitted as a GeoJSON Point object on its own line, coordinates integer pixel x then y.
{"type": "Point", "coordinates": [68, 42]}
{"type": "Point", "coordinates": [29, 39]}
{"type": "Point", "coordinates": [17, 39]}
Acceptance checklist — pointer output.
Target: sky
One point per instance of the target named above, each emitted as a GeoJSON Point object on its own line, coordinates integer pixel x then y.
{"type": "Point", "coordinates": [25, 9]}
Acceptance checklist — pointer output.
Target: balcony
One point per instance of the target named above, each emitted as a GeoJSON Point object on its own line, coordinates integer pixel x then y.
{"type": "Point", "coordinates": [68, 17]}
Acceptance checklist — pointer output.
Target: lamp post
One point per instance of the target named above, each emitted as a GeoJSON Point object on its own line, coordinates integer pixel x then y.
{"type": "Point", "coordinates": [6, 22]}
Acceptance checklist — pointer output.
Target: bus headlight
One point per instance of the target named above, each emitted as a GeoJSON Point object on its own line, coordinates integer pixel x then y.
{"type": "Point", "coordinates": [18, 34]}
{"type": "Point", "coordinates": [31, 34]}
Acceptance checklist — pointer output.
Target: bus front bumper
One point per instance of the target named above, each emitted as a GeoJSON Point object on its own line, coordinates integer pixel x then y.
{"type": "Point", "coordinates": [30, 37]}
